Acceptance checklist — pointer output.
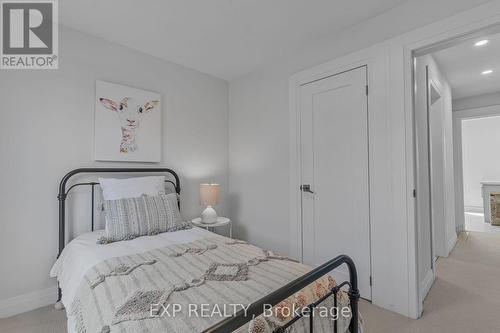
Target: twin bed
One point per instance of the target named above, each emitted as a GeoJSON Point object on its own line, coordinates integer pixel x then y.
{"type": "Point", "coordinates": [192, 280]}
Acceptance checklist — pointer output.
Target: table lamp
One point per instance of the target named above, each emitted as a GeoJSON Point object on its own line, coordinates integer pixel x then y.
{"type": "Point", "coordinates": [209, 196]}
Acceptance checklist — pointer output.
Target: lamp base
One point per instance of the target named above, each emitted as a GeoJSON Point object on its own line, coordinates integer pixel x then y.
{"type": "Point", "coordinates": [209, 215]}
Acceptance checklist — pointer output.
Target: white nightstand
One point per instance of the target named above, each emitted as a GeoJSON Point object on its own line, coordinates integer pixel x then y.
{"type": "Point", "coordinates": [221, 221]}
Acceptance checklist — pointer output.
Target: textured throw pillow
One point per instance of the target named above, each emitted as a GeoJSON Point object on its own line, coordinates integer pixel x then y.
{"type": "Point", "coordinates": [146, 215]}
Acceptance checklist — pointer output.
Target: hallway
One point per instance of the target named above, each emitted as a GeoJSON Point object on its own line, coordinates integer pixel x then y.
{"type": "Point", "coordinates": [464, 299]}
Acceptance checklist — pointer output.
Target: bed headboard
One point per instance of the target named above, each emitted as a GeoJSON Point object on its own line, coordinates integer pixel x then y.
{"type": "Point", "coordinates": [172, 179]}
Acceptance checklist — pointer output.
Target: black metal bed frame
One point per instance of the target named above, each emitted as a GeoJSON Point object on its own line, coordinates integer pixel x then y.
{"type": "Point", "coordinates": [63, 194]}
{"type": "Point", "coordinates": [255, 309]}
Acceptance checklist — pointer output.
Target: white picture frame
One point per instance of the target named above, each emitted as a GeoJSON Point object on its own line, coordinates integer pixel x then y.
{"type": "Point", "coordinates": [127, 124]}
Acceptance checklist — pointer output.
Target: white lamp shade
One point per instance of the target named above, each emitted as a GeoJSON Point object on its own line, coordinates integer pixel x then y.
{"type": "Point", "coordinates": [209, 194]}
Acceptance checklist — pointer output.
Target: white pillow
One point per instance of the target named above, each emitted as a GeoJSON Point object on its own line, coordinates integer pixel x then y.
{"type": "Point", "coordinates": [115, 189]}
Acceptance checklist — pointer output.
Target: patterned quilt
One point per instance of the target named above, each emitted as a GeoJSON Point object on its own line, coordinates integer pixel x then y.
{"type": "Point", "coordinates": [190, 287]}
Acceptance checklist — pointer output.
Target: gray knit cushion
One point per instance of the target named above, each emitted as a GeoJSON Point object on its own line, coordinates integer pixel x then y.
{"type": "Point", "coordinates": [146, 215]}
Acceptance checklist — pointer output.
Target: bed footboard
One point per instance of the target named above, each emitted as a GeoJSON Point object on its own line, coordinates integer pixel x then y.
{"type": "Point", "coordinates": [257, 308]}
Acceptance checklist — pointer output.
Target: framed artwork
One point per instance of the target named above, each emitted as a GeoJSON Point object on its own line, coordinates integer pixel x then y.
{"type": "Point", "coordinates": [127, 124]}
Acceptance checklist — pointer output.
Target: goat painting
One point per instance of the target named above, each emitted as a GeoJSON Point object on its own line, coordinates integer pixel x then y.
{"type": "Point", "coordinates": [127, 124]}
{"type": "Point", "coordinates": [130, 115]}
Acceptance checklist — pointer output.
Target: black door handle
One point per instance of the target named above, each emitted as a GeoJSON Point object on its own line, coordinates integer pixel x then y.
{"type": "Point", "coordinates": [306, 188]}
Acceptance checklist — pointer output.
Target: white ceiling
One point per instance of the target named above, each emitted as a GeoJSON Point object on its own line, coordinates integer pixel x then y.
{"type": "Point", "coordinates": [462, 65]}
{"type": "Point", "coordinates": [225, 38]}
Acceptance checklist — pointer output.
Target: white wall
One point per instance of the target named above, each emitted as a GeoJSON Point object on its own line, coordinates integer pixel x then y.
{"type": "Point", "coordinates": [47, 130]}
{"type": "Point", "coordinates": [476, 101]}
{"type": "Point", "coordinates": [480, 141]}
{"type": "Point", "coordinates": [259, 142]}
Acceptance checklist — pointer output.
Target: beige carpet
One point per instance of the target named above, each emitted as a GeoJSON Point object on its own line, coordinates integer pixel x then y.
{"type": "Point", "coordinates": [464, 299]}
{"type": "Point", "coordinates": [43, 320]}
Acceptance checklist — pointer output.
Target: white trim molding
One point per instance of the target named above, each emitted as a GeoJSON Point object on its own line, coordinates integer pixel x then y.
{"type": "Point", "coordinates": [427, 283]}
{"type": "Point", "coordinates": [387, 182]}
{"type": "Point", "coordinates": [452, 242]}
{"type": "Point", "coordinates": [474, 209]}
{"type": "Point", "coordinates": [336, 66]}
{"type": "Point", "coordinates": [27, 302]}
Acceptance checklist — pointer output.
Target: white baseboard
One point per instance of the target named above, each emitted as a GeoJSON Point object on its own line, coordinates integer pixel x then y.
{"type": "Point", "coordinates": [474, 209]}
{"type": "Point", "coordinates": [427, 284]}
{"type": "Point", "coordinates": [27, 302]}
{"type": "Point", "coordinates": [452, 242]}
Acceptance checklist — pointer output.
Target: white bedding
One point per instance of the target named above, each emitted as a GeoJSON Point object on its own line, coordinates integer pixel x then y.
{"type": "Point", "coordinates": [82, 253]}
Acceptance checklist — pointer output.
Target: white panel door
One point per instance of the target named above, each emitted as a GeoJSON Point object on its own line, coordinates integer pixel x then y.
{"type": "Point", "coordinates": [425, 249]}
{"type": "Point", "coordinates": [334, 162]}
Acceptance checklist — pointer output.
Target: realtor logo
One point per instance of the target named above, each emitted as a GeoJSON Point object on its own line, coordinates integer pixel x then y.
{"type": "Point", "coordinates": [29, 34]}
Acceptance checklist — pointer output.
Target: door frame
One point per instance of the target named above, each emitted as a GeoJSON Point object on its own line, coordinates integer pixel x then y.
{"type": "Point", "coordinates": [458, 117]}
{"type": "Point", "coordinates": [388, 191]}
{"type": "Point", "coordinates": [444, 33]}
{"type": "Point", "coordinates": [363, 70]}
{"type": "Point", "coordinates": [296, 82]}
{"type": "Point", "coordinates": [374, 59]}
{"type": "Point", "coordinates": [430, 85]}
{"type": "Point", "coordinates": [439, 239]}
{"type": "Point", "coordinates": [424, 81]}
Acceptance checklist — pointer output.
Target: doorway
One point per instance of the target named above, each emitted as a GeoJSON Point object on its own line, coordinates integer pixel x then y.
{"type": "Point", "coordinates": [334, 172]}
{"type": "Point", "coordinates": [455, 88]}
{"type": "Point", "coordinates": [479, 136]}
